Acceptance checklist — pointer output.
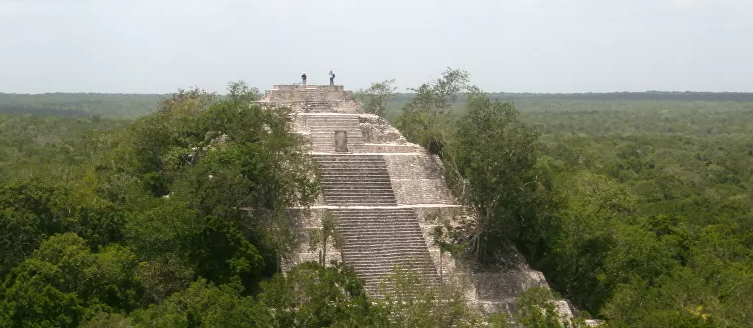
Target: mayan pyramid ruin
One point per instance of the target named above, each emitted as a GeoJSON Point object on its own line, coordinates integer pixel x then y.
{"type": "Point", "coordinates": [383, 191]}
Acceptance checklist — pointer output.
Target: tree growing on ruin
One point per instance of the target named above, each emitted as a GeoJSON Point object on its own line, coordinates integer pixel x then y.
{"type": "Point", "coordinates": [426, 120]}
{"type": "Point", "coordinates": [375, 98]}
{"type": "Point", "coordinates": [410, 300]}
{"type": "Point", "coordinates": [326, 235]}
{"type": "Point", "coordinates": [492, 158]}
{"type": "Point", "coordinates": [445, 237]}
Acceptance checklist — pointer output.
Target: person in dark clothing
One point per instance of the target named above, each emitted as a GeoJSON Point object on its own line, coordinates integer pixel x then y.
{"type": "Point", "coordinates": [303, 78]}
{"type": "Point", "coordinates": [331, 78]}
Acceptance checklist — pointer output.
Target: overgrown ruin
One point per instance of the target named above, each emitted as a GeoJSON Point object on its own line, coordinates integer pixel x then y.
{"type": "Point", "coordinates": [386, 194]}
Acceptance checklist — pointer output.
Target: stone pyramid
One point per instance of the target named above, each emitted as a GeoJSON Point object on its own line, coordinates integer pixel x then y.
{"type": "Point", "coordinates": [384, 192]}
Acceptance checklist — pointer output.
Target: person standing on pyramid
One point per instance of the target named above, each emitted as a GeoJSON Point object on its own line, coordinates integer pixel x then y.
{"type": "Point", "coordinates": [331, 78]}
{"type": "Point", "coordinates": [303, 78]}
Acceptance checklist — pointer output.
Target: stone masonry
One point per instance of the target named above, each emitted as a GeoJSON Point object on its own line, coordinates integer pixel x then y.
{"type": "Point", "coordinates": [383, 191]}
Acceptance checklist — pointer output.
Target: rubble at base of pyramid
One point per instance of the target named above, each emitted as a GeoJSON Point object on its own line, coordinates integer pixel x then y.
{"type": "Point", "coordinates": [384, 192]}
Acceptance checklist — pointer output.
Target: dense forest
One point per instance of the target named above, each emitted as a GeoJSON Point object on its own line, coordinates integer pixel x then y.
{"type": "Point", "coordinates": [637, 207]}
{"type": "Point", "coordinates": [79, 105]}
{"type": "Point", "coordinates": [638, 211]}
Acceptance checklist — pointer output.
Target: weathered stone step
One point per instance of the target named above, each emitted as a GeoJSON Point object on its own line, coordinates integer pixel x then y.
{"type": "Point", "coordinates": [347, 184]}
{"type": "Point", "coordinates": [349, 157]}
{"type": "Point", "coordinates": [344, 167]}
{"type": "Point", "coordinates": [377, 269]}
{"type": "Point", "coordinates": [406, 231]}
{"type": "Point", "coordinates": [378, 260]}
{"type": "Point", "coordinates": [384, 252]}
{"type": "Point", "coordinates": [343, 200]}
{"type": "Point", "coordinates": [385, 241]}
{"type": "Point", "coordinates": [381, 269]}
{"type": "Point", "coordinates": [338, 125]}
{"type": "Point", "coordinates": [383, 220]}
{"type": "Point", "coordinates": [358, 191]}
{"type": "Point", "coordinates": [330, 135]}
{"type": "Point", "coordinates": [384, 233]}
{"type": "Point", "coordinates": [397, 250]}
{"type": "Point", "coordinates": [358, 178]}
{"type": "Point", "coordinates": [356, 213]}
{"type": "Point", "coordinates": [352, 226]}
{"type": "Point", "coordinates": [386, 217]}
{"type": "Point", "coordinates": [343, 161]}
{"type": "Point", "coordinates": [358, 202]}
{"type": "Point", "coordinates": [374, 182]}
{"type": "Point", "coordinates": [330, 130]}
{"type": "Point", "coordinates": [358, 195]}
{"type": "Point", "coordinates": [327, 172]}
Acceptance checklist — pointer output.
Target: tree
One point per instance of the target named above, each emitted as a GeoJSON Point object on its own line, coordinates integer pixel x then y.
{"type": "Point", "coordinates": [27, 217]}
{"type": "Point", "coordinates": [321, 237]}
{"type": "Point", "coordinates": [425, 120]}
{"type": "Point", "coordinates": [202, 304]}
{"type": "Point", "coordinates": [236, 169]}
{"type": "Point", "coordinates": [409, 300]}
{"type": "Point", "coordinates": [375, 98]}
{"type": "Point", "coordinates": [491, 160]}
{"type": "Point", "coordinates": [311, 295]}
{"type": "Point", "coordinates": [64, 283]}
{"type": "Point", "coordinates": [445, 236]}
{"type": "Point", "coordinates": [537, 309]}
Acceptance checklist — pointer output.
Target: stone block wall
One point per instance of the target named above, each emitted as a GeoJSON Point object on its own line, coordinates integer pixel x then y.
{"type": "Point", "coordinates": [417, 166]}
{"type": "Point", "coordinates": [418, 179]}
{"type": "Point", "coordinates": [378, 130]}
{"type": "Point", "coordinates": [421, 191]}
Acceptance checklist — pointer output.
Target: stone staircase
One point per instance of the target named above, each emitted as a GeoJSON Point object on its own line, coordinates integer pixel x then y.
{"type": "Point", "coordinates": [355, 180]}
{"type": "Point", "coordinates": [379, 239]}
{"type": "Point", "coordinates": [379, 235]}
{"type": "Point", "coordinates": [314, 102]}
{"type": "Point", "coordinates": [322, 131]}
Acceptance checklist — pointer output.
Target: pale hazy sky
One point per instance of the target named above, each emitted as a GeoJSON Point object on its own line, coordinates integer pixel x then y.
{"type": "Point", "coordinates": [137, 46]}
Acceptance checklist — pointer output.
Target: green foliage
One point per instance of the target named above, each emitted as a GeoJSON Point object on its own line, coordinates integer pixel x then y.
{"type": "Point", "coordinates": [326, 237]}
{"type": "Point", "coordinates": [425, 120]}
{"type": "Point", "coordinates": [638, 211]}
{"type": "Point", "coordinates": [311, 295]}
{"type": "Point", "coordinates": [414, 302]}
{"type": "Point", "coordinates": [375, 98]}
{"type": "Point", "coordinates": [637, 207]}
{"type": "Point", "coordinates": [202, 304]}
{"type": "Point", "coordinates": [196, 192]}
{"type": "Point", "coordinates": [63, 283]}
{"type": "Point", "coordinates": [538, 310]}
{"type": "Point", "coordinates": [95, 105]}
{"type": "Point", "coordinates": [492, 158]}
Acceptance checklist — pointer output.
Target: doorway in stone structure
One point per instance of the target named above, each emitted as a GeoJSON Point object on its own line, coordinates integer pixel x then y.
{"type": "Point", "coordinates": [341, 141]}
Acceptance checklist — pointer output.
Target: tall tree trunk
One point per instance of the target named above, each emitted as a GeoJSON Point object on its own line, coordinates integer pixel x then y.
{"type": "Point", "coordinates": [441, 267]}
{"type": "Point", "coordinates": [324, 251]}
